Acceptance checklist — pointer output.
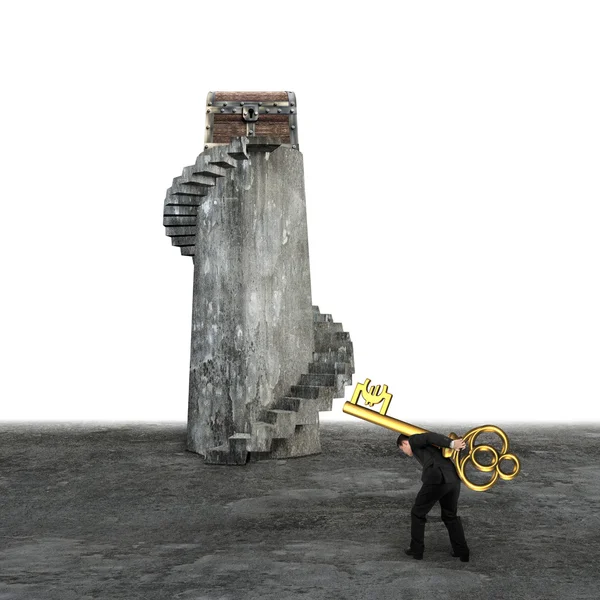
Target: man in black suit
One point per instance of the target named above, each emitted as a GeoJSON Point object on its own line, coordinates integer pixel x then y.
{"type": "Point", "coordinates": [440, 483]}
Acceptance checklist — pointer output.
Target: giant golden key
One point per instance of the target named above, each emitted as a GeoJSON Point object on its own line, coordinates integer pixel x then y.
{"type": "Point", "coordinates": [377, 395]}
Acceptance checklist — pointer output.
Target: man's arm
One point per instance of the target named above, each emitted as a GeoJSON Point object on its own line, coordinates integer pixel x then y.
{"type": "Point", "coordinates": [420, 440]}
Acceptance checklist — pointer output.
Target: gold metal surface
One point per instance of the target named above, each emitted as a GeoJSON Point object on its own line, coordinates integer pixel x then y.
{"type": "Point", "coordinates": [376, 395]}
{"type": "Point", "coordinates": [494, 466]}
{"type": "Point", "coordinates": [374, 417]}
{"type": "Point", "coordinates": [372, 396]}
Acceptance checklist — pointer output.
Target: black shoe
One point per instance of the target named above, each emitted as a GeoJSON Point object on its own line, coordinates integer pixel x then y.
{"type": "Point", "coordinates": [463, 557]}
{"type": "Point", "coordinates": [415, 555]}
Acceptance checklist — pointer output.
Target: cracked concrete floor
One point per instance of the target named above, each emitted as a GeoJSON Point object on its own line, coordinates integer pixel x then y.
{"type": "Point", "coordinates": [122, 511]}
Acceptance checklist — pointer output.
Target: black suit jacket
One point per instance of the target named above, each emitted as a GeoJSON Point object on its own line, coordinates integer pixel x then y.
{"type": "Point", "coordinates": [436, 468]}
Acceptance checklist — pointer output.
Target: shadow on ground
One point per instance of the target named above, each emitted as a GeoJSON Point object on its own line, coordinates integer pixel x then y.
{"type": "Point", "coordinates": [123, 511]}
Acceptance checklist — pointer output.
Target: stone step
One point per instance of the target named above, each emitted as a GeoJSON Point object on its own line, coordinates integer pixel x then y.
{"type": "Point", "coordinates": [325, 327]}
{"type": "Point", "coordinates": [188, 176]}
{"type": "Point", "coordinates": [304, 441]}
{"type": "Point", "coordinates": [218, 455]}
{"type": "Point", "coordinates": [306, 409]}
{"type": "Point", "coordinates": [235, 452]}
{"type": "Point", "coordinates": [177, 231]}
{"type": "Point", "coordinates": [178, 210]}
{"type": "Point", "coordinates": [237, 148]}
{"type": "Point", "coordinates": [222, 164]}
{"type": "Point", "coordinates": [204, 167]}
{"type": "Point", "coordinates": [343, 381]}
{"type": "Point", "coordinates": [322, 318]}
{"type": "Point", "coordinates": [283, 421]}
{"type": "Point", "coordinates": [218, 157]}
{"type": "Point", "coordinates": [330, 345]}
{"type": "Point", "coordinates": [315, 309]}
{"type": "Point", "coordinates": [183, 240]}
{"type": "Point", "coordinates": [181, 188]}
{"type": "Point", "coordinates": [183, 199]}
{"type": "Point", "coordinates": [209, 170]}
{"type": "Point", "coordinates": [336, 368]}
{"type": "Point", "coordinates": [259, 456]}
{"type": "Point", "coordinates": [189, 188]}
{"type": "Point", "coordinates": [238, 438]}
{"type": "Point", "coordinates": [187, 198]}
{"type": "Point", "coordinates": [262, 436]}
{"type": "Point", "coordinates": [313, 392]}
{"type": "Point", "coordinates": [322, 396]}
{"type": "Point", "coordinates": [338, 383]}
{"type": "Point", "coordinates": [262, 144]}
{"type": "Point", "coordinates": [188, 250]}
{"type": "Point", "coordinates": [323, 379]}
{"type": "Point", "coordinates": [170, 221]}
{"type": "Point", "coordinates": [327, 334]}
{"type": "Point", "coordinates": [333, 356]}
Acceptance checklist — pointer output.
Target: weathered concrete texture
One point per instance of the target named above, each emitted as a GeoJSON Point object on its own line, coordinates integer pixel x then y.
{"type": "Point", "coordinates": [122, 512]}
{"type": "Point", "coordinates": [252, 324]}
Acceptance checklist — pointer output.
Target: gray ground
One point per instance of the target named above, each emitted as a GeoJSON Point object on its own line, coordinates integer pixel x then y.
{"type": "Point", "coordinates": [123, 511]}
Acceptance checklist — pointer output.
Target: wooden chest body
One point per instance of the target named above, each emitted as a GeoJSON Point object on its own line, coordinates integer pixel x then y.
{"type": "Point", "coordinates": [270, 115]}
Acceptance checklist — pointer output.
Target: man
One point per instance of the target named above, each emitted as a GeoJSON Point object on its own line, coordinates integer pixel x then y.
{"type": "Point", "coordinates": [440, 483]}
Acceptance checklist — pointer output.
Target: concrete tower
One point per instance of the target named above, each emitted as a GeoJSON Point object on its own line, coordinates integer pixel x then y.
{"type": "Point", "coordinates": [264, 361]}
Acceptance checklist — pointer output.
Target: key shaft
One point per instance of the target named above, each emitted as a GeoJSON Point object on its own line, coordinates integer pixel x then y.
{"type": "Point", "coordinates": [383, 420]}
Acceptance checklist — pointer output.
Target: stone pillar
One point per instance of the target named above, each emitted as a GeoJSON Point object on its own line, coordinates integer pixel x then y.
{"type": "Point", "coordinates": [252, 321]}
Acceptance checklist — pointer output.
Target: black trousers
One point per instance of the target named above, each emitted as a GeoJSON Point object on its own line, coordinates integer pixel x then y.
{"type": "Point", "coordinates": [429, 494]}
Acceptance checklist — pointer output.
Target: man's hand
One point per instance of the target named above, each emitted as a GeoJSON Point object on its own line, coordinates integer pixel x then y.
{"type": "Point", "coordinates": [458, 444]}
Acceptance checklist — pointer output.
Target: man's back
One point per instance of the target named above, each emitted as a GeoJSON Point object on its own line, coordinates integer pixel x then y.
{"type": "Point", "coordinates": [436, 468]}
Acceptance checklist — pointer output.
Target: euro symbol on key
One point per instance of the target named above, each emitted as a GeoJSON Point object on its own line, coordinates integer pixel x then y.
{"type": "Point", "coordinates": [373, 395]}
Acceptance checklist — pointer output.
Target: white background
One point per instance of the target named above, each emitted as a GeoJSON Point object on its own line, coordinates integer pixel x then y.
{"type": "Point", "coordinates": [452, 173]}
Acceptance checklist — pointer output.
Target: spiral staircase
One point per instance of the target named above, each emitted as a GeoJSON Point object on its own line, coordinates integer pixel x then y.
{"type": "Point", "coordinates": [283, 429]}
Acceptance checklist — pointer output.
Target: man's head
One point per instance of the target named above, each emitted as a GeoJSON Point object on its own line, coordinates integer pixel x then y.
{"type": "Point", "coordinates": [403, 444]}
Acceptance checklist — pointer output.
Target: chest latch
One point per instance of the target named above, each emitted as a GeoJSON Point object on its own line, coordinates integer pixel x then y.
{"type": "Point", "coordinates": [250, 112]}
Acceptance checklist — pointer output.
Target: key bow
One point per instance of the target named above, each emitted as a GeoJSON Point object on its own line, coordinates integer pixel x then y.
{"type": "Point", "coordinates": [497, 457]}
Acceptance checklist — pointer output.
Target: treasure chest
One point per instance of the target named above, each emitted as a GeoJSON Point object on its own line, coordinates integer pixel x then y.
{"type": "Point", "coordinates": [269, 115]}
